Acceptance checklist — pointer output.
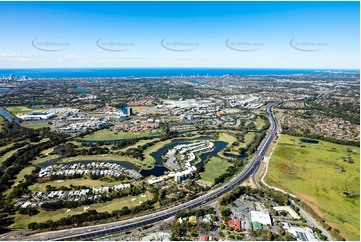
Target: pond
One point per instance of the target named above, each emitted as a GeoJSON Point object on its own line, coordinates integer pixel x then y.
{"type": "Point", "coordinates": [80, 90]}
{"type": "Point", "coordinates": [309, 141]}
{"type": "Point", "coordinates": [184, 132]}
{"type": "Point", "coordinates": [245, 155]}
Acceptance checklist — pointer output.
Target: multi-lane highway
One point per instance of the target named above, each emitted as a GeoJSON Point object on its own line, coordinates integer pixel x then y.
{"type": "Point", "coordinates": [97, 231]}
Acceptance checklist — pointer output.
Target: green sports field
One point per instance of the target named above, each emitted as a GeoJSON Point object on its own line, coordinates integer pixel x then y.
{"type": "Point", "coordinates": [23, 109]}
{"type": "Point", "coordinates": [319, 174]}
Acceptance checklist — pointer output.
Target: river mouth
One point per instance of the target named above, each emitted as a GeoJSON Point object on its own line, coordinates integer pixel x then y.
{"type": "Point", "coordinates": [309, 141]}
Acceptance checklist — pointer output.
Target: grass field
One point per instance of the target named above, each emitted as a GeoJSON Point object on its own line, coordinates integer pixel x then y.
{"type": "Point", "coordinates": [5, 147]}
{"type": "Point", "coordinates": [107, 134]}
{"type": "Point", "coordinates": [214, 168]}
{"type": "Point", "coordinates": [312, 173]}
{"type": "Point", "coordinates": [1, 122]}
{"type": "Point", "coordinates": [21, 176]}
{"type": "Point", "coordinates": [39, 160]}
{"type": "Point", "coordinates": [22, 221]}
{"type": "Point", "coordinates": [37, 126]}
{"type": "Point", "coordinates": [139, 143]}
{"type": "Point", "coordinates": [248, 138]}
{"type": "Point", "coordinates": [230, 138]}
{"type": "Point", "coordinates": [259, 122]}
{"type": "Point", "coordinates": [227, 138]}
{"type": "Point", "coordinates": [8, 154]}
{"type": "Point", "coordinates": [22, 109]}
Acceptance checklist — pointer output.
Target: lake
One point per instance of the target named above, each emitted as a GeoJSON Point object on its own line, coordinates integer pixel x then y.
{"type": "Point", "coordinates": [309, 141]}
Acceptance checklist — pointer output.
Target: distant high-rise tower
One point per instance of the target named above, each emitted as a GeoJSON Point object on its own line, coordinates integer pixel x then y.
{"type": "Point", "coordinates": [12, 77]}
{"type": "Point", "coordinates": [129, 111]}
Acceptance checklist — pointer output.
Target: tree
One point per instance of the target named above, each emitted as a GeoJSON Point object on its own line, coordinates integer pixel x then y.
{"type": "Point", "coordinates": [226, 212]}
{"type": "Point", "coordinates": [33, 226]}
{"type": "Point", "coordinates": [289, 237]}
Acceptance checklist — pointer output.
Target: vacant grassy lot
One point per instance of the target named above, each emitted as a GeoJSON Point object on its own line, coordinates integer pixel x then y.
{"type": "Point", "coordinates": [22, 221]}
{"type": "Point", "coordinates": [313, 173]}
{"type": "Point", "coordinates": [215, 167]}
{"type": "Point", "coordinates": [107, 134]}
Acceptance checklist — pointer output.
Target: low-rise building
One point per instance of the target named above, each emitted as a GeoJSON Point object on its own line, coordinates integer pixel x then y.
{"type": "Point", "coordinates": [302, 233]}
{"type": "Point", "coordinates": [262, 217]}
{"type": "Point", "coordinates": [234, 223]}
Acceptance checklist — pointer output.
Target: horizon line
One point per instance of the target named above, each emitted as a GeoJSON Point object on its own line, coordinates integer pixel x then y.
{"type": "Point", "coordinates": [179, 67]}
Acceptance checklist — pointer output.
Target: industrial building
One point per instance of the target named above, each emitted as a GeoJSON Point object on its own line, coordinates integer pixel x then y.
{"type": "Point", "coordinates": [302, 233]}
{"type": "Point", "coordinates": [289, 210]}
{"type": "Point", "coordinates": [261, 217]}
{"type": "Point", "coordinates": [38, 116]}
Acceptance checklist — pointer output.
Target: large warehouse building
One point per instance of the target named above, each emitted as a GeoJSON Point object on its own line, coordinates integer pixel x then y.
{"type": "Point", "coordinates": [38, 116]}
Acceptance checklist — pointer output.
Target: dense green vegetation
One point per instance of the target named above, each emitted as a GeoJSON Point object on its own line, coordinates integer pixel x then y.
{"type": "Point", "coordinates": [27, 144]}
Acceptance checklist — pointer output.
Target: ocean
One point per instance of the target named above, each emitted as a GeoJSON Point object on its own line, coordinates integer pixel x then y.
{"type": "Point", "coordinates": [157, 72]}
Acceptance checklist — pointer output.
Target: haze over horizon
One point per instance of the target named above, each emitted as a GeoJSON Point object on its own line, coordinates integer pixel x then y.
{"type": "Point", "coordinates": [285, 35]}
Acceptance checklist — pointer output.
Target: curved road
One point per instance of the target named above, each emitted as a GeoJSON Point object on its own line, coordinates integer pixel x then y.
{"type": "Point", "coordinates": [96, 231]}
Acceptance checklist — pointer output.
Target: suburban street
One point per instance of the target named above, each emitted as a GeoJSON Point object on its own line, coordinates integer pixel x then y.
{"type": "Point", "coordinates": [101, 230]}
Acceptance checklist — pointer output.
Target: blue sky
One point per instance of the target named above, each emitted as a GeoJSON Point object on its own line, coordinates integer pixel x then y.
{"type": "Point", "coordinates": [180, 34]}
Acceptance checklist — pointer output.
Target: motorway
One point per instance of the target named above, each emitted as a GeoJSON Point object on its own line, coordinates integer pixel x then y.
{"type": "Point", "coordinates": [97, 231]}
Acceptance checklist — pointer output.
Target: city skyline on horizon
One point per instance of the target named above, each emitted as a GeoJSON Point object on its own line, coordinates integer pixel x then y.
{"type": "Point", "coordinates": [315, 35]}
